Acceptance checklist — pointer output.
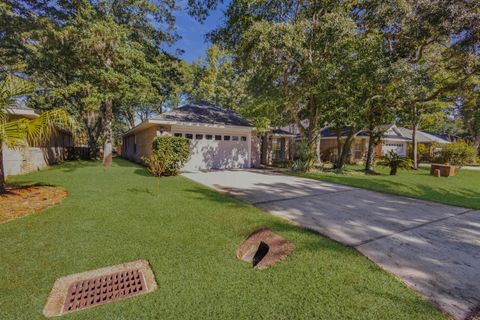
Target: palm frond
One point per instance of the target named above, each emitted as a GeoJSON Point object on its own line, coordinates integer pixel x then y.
{"type": "Point", "coordinates": [13, 133]}
{"type": "Point", "coordinates": [10, 88]}
{"type": "Point", "coordinates": [23, 131]}
{"type": "Point", "coordinates": [39, 130]}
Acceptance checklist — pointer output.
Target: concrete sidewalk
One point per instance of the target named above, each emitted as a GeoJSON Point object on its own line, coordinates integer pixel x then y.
{"type": "Point", "coordinates": [433, 247]}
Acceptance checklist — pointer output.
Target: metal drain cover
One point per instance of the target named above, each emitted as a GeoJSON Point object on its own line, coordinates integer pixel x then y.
{"type": "Point", "coordinates": [92, 288]}
{"type": "Point", "coordinates": [92, 292]}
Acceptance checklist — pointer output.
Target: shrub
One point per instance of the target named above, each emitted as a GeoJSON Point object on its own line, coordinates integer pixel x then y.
{"type": "Point", "coordinates": [306, 157]}
{"type": "Point", "coordinates": [169, 154]}
{"type": "Point", "coordinates": [154, 165]}
{"type": "Point", "coordinates": [423, 152]}
{"type": "Point", "coordinates": [395, 162]}
{"type": "Point", "coordinates": [458, 153]}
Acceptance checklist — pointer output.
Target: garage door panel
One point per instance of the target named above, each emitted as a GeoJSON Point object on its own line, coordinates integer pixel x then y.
{"type": "Point", "coordinates": [217, 154]}
{"type": "Point", "coordinates": [230, 154]}
{"type": "Point", "coordinates": [398, 148]}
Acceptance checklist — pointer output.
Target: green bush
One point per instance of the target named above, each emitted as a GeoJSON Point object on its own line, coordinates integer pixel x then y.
{"type": "Point", "coordinates": [305, 157]}
{"type": "Point", "coordinates": [395, 162]}
{"type": "Point", "coordinates": [458, 153]}
{"type": "Point", "coordinates": [169, 154]}
{"type": "Point", "coordinates": [154, 165]}
{"type": "Point", "coordinates": [423, 152]}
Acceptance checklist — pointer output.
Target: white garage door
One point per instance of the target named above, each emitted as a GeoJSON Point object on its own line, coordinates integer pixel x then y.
{"type": "Point", "coordinates": [398, 148]}
{"type": "Point", "coordinates": [220, 151]}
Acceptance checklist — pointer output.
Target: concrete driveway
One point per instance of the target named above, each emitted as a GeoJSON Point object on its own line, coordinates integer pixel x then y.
{"type": "Point", "coordinates": [434, 248]}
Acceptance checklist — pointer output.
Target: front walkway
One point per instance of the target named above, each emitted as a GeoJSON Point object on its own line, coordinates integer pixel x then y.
{"type": "Point", "coordinates": [433, 247]}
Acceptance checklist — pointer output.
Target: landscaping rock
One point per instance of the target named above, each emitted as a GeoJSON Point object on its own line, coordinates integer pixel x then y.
{"type": "Point", "coordinates": [264, 248]}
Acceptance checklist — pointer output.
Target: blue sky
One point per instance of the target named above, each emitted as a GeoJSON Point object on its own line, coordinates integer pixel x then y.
{"type": "Point", "coordinates": [193, 33]}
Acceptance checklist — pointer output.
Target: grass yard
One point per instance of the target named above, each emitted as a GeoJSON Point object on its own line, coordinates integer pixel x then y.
{"type": "Point", "coordinates": [462, 190]}
{"type": "Point", "coordinates": [189, 234]}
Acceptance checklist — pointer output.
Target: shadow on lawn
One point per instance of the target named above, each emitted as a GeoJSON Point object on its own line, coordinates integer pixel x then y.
{"type": "Point", "coordinates": [141, 170]}
{"type": "Point", "coordinates": [71, 166]}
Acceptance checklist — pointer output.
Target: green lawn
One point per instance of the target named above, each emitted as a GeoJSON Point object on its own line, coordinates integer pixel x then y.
{"type": "Point", "coordinates": [189, 234]}
{"type": "Point", "coordinates": [462, 190]}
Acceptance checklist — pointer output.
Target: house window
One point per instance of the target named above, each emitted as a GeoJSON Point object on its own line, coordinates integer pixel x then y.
{"type": "Point", "coordinates": [199, 136]}
{"type": "Point", "coordinates": [217, 137]}
{"type": "Point", "coordinates": [234, 138]}
{"type": "Point", "coordinates": [178, 135]}
{"type": "Point", "coordinates": [226, 138]}
{"type": "Point", "coordinates": [358, 150]}
{"type": "Point", "coordinates": [208, 136]}
{"type": "Point", "coordinates": [244, 138]}
{"type": "Point", "coordinates": [189, 136]}
{"type": "Point", "coordinates": [278, 150]}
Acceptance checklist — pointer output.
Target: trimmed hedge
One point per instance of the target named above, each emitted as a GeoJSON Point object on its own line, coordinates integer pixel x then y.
{"type": "Point", "coordinates": [168, 156]}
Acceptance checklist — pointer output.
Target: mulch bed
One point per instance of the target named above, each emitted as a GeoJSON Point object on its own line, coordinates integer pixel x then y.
{"type": "Point", "coordinates": [22, 201]}
{"type": "Point", "coordinates": [264, 248]}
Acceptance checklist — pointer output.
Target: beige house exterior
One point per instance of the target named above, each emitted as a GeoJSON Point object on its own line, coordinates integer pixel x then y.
{"type": "Point", "coordinates": [20, 160]}
{"type": "Point", "coordinates": [219, 139]}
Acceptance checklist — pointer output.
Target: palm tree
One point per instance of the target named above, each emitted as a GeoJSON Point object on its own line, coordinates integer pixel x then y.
{"type": "Point", "coordinates": [18, 133]}
{"type": "Point", "coordinates": [395, 162]}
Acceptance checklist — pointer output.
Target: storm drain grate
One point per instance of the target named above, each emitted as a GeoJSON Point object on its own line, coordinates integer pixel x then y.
{"type": "Point", "coordinates": [101, 290]}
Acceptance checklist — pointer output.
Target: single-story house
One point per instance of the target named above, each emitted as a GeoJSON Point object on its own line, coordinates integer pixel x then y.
{"type": "Point", "coordinates": [220, 138]}
{"type": "Point", "coordinates": [26, 159]}
{"type": "Point", "coordinates": [395, 139]}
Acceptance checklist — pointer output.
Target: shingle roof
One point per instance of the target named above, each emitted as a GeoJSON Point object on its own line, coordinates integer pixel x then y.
{"type": "Point", "coordinates": [282, 132]}
{"type": "Point", "coordinates": [21, 109]}
{"type": "Point", "coordinates": [402, 134]}
{"type": "Point", "coordinates": [204, 113]}
{"type": "Point", "coordinates": [422, 136]}
{"type": "Point", "coordinates": [332, 132]}
{"type": "Point", "coordinates": [446, 137]}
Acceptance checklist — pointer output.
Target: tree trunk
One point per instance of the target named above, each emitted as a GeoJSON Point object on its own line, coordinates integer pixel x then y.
{"type": "Point", "coordinates": [393, 171]}
{"type": "Point", "coordinates": [342, 159]}
{"type": "Point", "coordinates": [319, 142]}
{"type": "Point", "coordinates": [343, 149]}
{"type": "Point", "coordinates": [313, 134]}
{"type": "Point", "coordinates": [370, 152]}
{"type": "Point", "coordinates": [415, 146]}
{"type": "Point", "coordinates": [415, 122]}
{"type": "Point", "coordinates": [92, 147]}
{"type": "Point", "coordinates": [477, 144]}
{"type": "Point", "coordinates": [107, 147]}
{"type": "Point", "coordinates": [93, 124]}
{"type": "Point", "coordinates": [3, 185]}
{"type": "Point", "coordinates": [339, 146]}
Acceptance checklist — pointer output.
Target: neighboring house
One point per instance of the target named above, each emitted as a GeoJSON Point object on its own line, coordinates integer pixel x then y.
{"type": "Point", "coordinates": [220, 138]}
{"type": "Point", "coordinates": [395, 139]}
{"type": "Point", "coordinates": [25, 159]}
{"type": "Point", "coordinates": [276, 147]}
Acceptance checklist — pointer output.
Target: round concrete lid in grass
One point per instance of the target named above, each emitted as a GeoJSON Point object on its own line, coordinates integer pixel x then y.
{"type": "Point", "coordinates": [264, 248]}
